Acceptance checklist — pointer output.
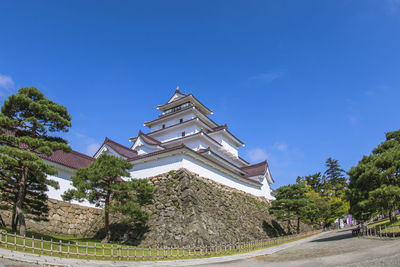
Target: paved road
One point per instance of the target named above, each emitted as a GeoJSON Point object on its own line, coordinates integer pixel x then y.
{"type": "Point", "coordinates": [337, 248]}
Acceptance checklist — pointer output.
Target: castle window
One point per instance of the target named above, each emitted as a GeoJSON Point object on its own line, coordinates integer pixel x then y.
{"type": "Point", "coordinates": [183, 133]}
{"type": "Point", "coordinates": [163, 126]}
{"type": "Point", "coordinates": [181, 120]}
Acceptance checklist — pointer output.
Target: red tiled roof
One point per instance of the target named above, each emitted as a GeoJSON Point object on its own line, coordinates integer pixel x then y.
{"type": "Point", "coordinates": [256, 169]}
{"type": "Point", "coordinates": [120, 149]}
{"type": "Point", "coordinates": [149, 140]}
{"type": "Point", "coordinates": [73, 159]}
{"type": "Point", "coordinates": [224, 126]}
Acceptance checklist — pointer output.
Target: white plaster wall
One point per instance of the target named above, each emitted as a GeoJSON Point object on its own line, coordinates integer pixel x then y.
{"type": "Point", "coordinates": [196, 144]}
{"type": "Point", "coordinates": [64, 185]}
{"type": "Point", "coordinates": [144, 150]}
{"type": "Point", "coordinates": [177, 132]}
{"type": "Point", "coordinates": [228, 145]}
{"type": "Point", "coordinates": [219, 177]}
{"type": "Point", "coordinates": [155, 167]}
{"type": "Point", "coordinates": [164, 165]}
{"type": "Point", "coordinates": [226, 158]}
{"type": "Point", "coordinates": [173, 120]}
{"type": "Point", "coordinates": [266, 189]}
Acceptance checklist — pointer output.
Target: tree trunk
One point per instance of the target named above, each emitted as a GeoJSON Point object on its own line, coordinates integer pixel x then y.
{"type": "Point", "coordinates": [288, 227]}
{"type": "Point", "coordinates": [13, 219]}
{"type": "Point", "coordinates": [298, 225]}
{"type": "Point", "coordinates": [392, 215]}
{"type": "Point", "coordinates": [19, 213]}
{"type": "Point", "coordinates": [2, 223]}
{"type": "Point", "coordinates": [107, 220]}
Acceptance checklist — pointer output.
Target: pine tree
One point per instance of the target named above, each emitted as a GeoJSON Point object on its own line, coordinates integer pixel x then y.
{"type": "Point", "coordinates": [375, 181]}
{"type": "Point", "coordinates": [28, 122]}
{"type": "Point", "coordinates": [291, 203]}
{"type": "Point", "coordinates": [100, 183]}
{"type": "Point", "coordinates": [334, 176]}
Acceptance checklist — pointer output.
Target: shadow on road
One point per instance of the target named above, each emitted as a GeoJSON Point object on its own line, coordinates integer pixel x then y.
{"type": "Point", "coordinates": [346, 235]}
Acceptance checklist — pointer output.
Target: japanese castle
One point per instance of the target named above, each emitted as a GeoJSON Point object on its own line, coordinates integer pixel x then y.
{"type": "Point", "coordinates": [182, 136]}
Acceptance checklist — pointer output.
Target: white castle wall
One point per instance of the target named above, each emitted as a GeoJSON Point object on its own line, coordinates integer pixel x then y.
{"type": "Point", "coordinates": [173, 120]}
{"type": "Point", "coordinates": [163, 165]}
{"type": "Point", "coordinates": [228, 145]}
{"type": "Point", "coordinates": [177, 133]}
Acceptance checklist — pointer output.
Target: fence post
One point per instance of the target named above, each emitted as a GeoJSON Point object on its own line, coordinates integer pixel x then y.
{"type": "Point", "coordinates": [87, 249]}
{"type": "Point", "coordinates": [102, 253]}
{"type": "Point", "coordinates": [60, 248]}
{"type": "Point", "coordinates": [95, 250]}
{"type": "Point", "coordinates": [1, 237]}
{"type": "Point", "coordinates": [33, 244]}
{"type": "Point", "coordinates": [69, 244]}
{"type": "Point", "coordinates": [380, 231]}
{"type": "Point", "coordinates": [23, 242]}
{"type": "Point", "coordinates": [41, 245]}
{"type": "Point", "coordinates": [15, 241]}
{"type": "Point", "coordinates": [393, 230]}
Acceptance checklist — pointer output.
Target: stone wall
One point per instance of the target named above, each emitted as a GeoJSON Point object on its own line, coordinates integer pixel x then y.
{"type": "Point", "coordinates": [187, 210]}
{"type": "Point", "coordinates": [64, 219]}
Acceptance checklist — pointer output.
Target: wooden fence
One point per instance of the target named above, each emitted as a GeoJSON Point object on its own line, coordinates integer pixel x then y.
{"type": "Point", "coordinates": [379, 231]}
{"type": "Point", "coordinates": [121, 252]}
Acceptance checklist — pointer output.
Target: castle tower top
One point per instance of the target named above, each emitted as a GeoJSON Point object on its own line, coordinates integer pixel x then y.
{"type": "Point", "coordinates": [180, 100]}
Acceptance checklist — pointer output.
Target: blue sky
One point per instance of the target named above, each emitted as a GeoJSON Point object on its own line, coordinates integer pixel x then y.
{"type": "Point", "coordinates": [297, 81]}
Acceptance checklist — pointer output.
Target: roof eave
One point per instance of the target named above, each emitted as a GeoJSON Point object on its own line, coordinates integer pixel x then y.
{"type": "Point", "coordinates": [183, 99]}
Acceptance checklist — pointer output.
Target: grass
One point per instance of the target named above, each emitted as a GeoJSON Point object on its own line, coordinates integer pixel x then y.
{"type": "Point", "coordinates": [91, 249]}
{"type": "Point", "coordinates": [386, 225]}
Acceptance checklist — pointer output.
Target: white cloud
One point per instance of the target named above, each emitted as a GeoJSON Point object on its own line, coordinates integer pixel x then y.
{"type": "Point", "coordinates": [267, 76]}
{"type": "Point", "coordinates": [92, 148]}
{"type": "Point", "coordinates": [6, 82]}
{"type": "Point", "coordinates": [257, 154]}
{"type": "Point", "coordinates": [282, 147]}
{"type": "Point", "coordinates": [83, 143]}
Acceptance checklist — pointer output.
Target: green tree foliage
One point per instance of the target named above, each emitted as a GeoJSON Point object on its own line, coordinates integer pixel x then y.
{"type": "Point", "coordinates": [334, 177]}
{"type": "Point", "coordinates": [375, 181]}
{"type": "Point", "coordinates": [28, 122]}
{"type": "Point", "coordinates": [313, 181]}
{"type": "Point", "coordinates": [326, 194]}
{"type": "Point", "coordinates": [291, 204]}
{"type": "Point", "coordinates": [100, 183]}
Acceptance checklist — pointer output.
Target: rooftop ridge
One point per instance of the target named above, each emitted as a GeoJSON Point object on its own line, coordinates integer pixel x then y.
{"type": "Point", "coordinates": [148, 137]}
{"type": "Point", "coordinates": [118, 144]}
{"type": "Point", "coordinates": [255, 165]}
{"type": "Point", "coordinates": [81, 154]}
